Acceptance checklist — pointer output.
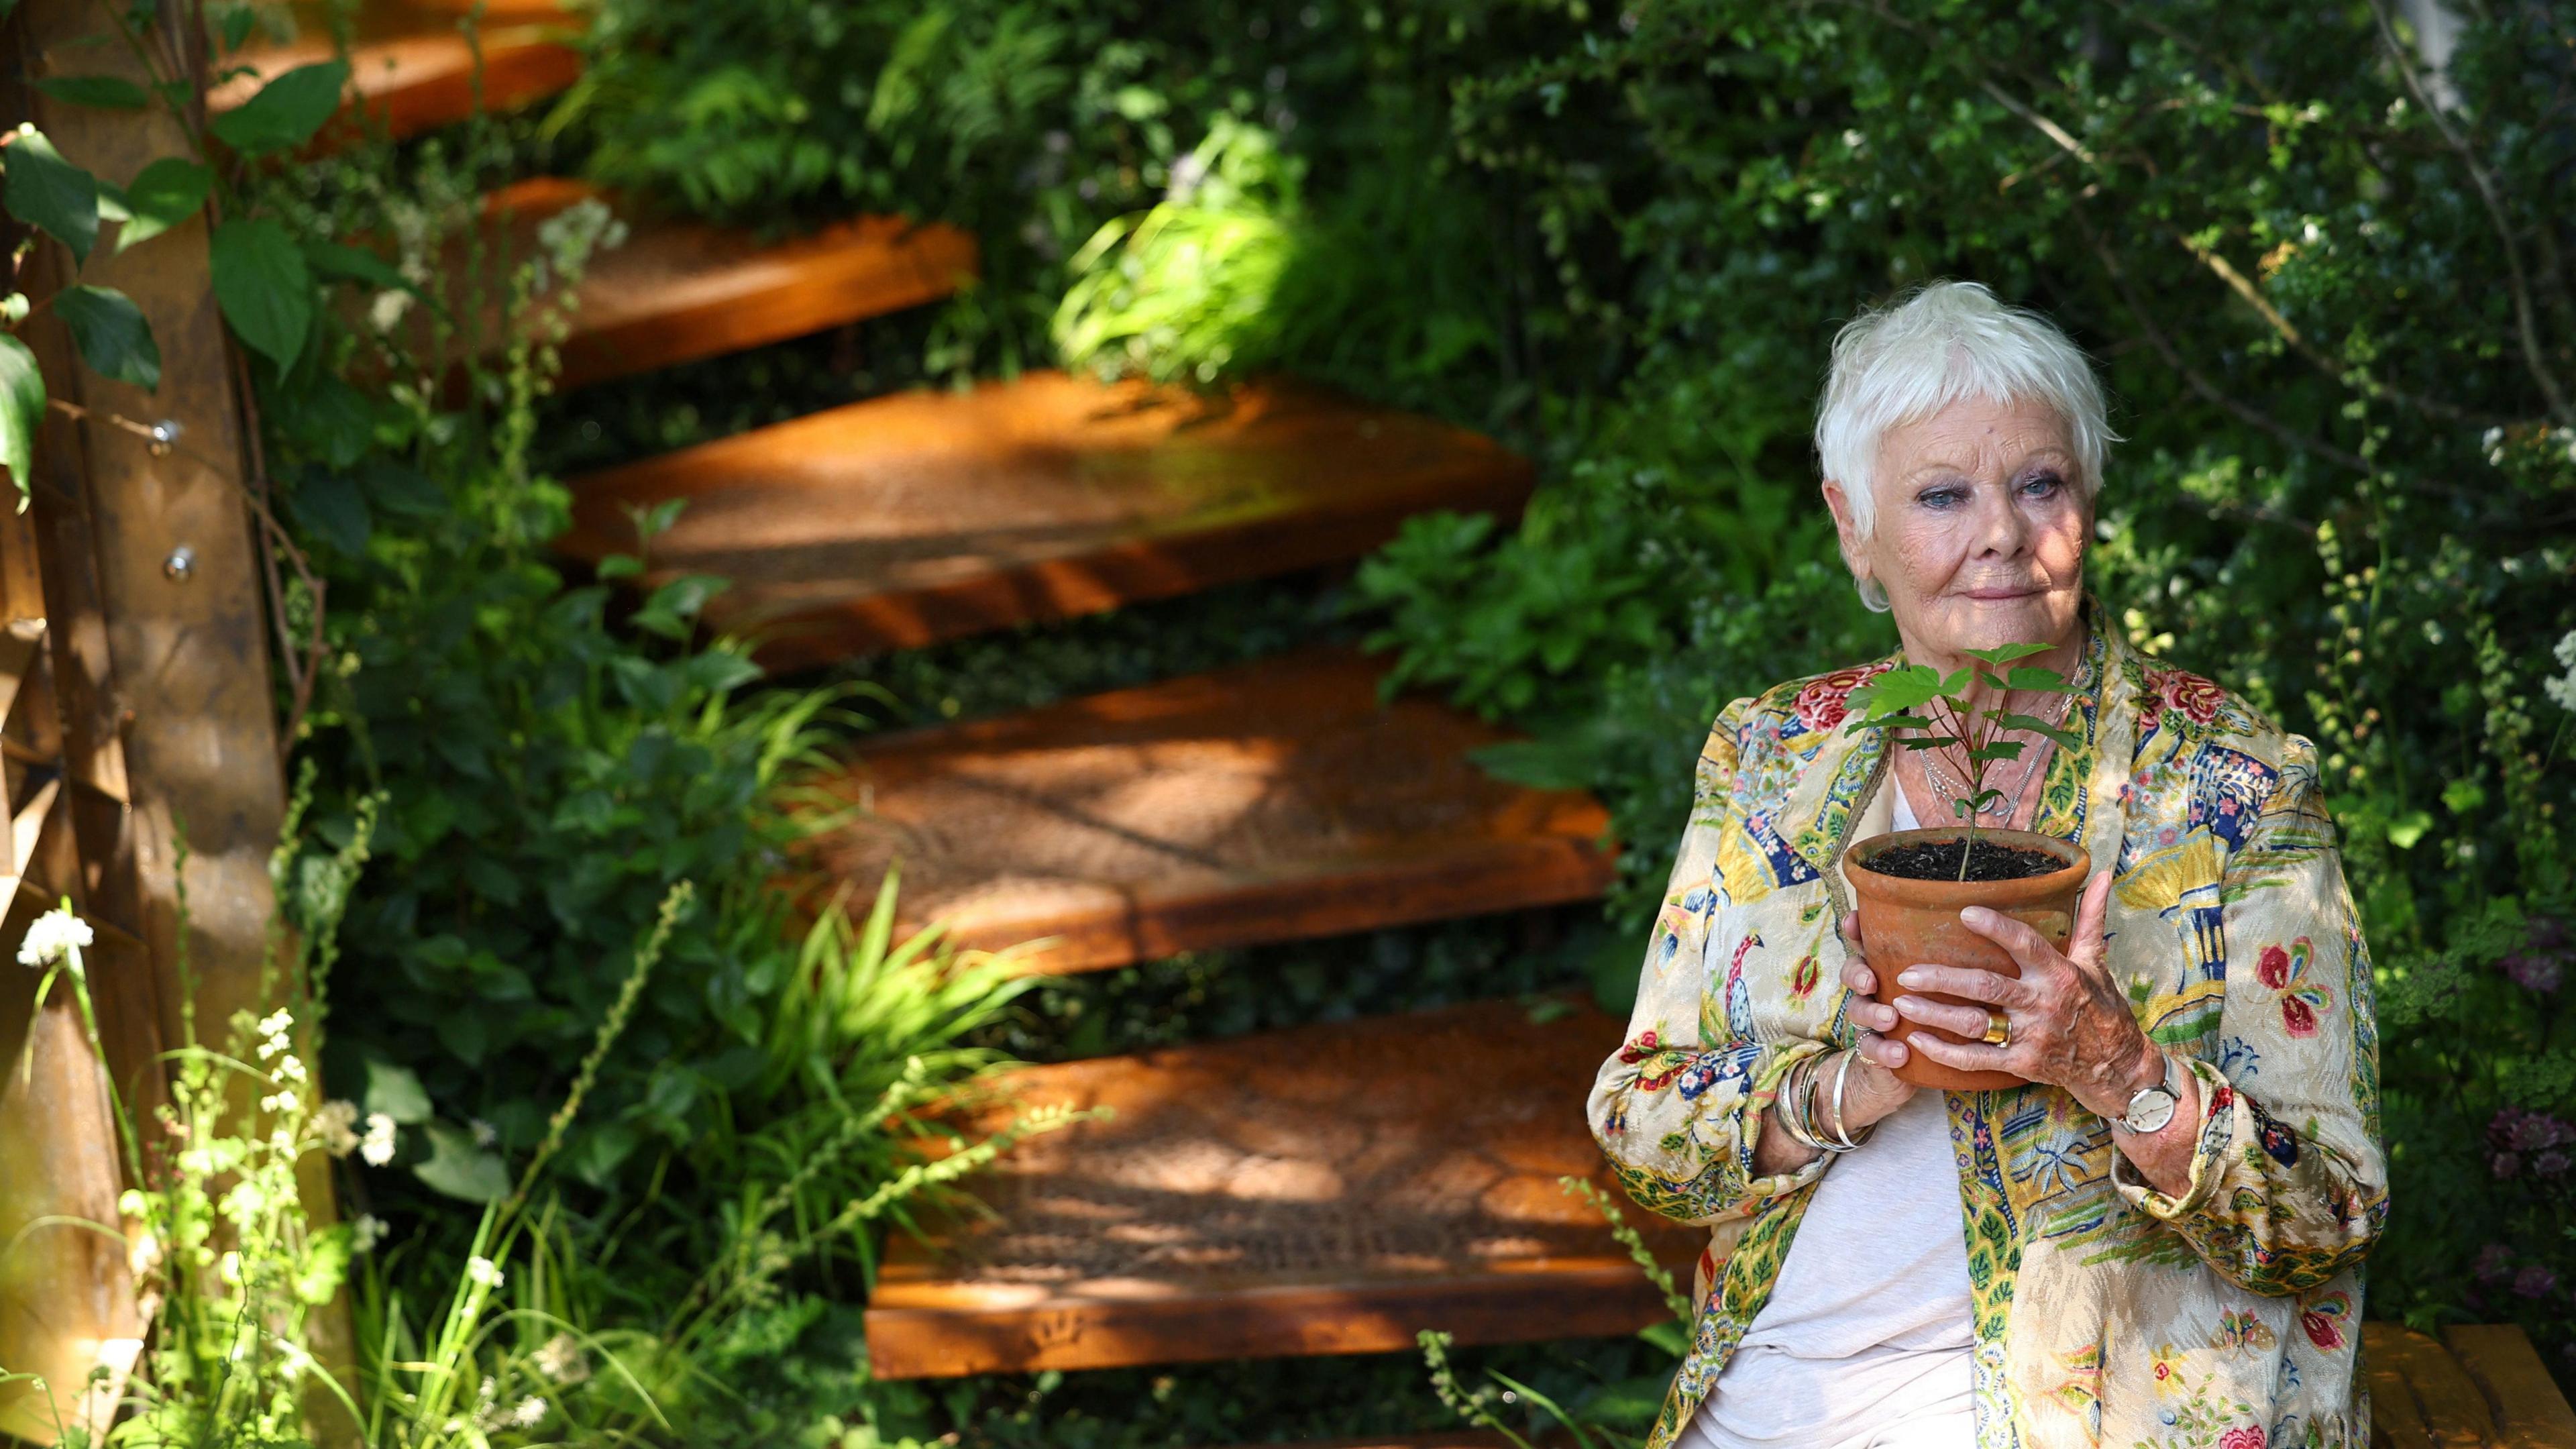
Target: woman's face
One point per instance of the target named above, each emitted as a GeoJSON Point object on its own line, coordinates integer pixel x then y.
{"type": "Point", "coordinates": [1980, 529]}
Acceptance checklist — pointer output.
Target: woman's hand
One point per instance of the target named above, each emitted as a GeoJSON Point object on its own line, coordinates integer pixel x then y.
{"type": "Point", "coordinates": [2070, 1022]}
{"type": "Point", "coordinates": [1874, 1091]}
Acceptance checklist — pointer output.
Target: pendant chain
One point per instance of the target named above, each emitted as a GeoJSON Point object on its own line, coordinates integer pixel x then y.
{"type": "Point", "coordinates": [2029, 762]}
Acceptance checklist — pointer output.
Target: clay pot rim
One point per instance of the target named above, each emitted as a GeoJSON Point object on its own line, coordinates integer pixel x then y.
{"type": "Point", "coordinates": [2029, 890]}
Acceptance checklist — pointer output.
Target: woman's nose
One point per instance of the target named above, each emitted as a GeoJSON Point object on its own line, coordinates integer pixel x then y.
{"type": "Point", "coordinates": [2001, 530]}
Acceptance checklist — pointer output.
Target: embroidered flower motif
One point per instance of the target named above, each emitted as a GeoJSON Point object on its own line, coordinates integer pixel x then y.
{"type": "Point", "coordinates": [2240, 1328]}
{"type": "Point", "coordinates": [2286, 970]}
{"type": "Point", "coordinates": [2197, 698]}
{"type": "Point", "coordinates": [2322, 1320]}
{"type": "Point", "coordinates": [2245, 1436]}
{"type": "Point", "coordinates": [2281, 1142]}
{"type": "Point", "coordinates": [1825, 702]}
{"type": "Point", "coordinates": [1804, 976]}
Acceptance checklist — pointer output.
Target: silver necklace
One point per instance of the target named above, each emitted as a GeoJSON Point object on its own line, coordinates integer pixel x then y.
{"type": "Point", "coordinates": [2029, 762]}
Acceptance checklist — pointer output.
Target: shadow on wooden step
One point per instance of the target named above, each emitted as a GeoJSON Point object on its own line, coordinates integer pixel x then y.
{"type": "Point", "coordinates": [1332, 1189]}
{"type": "Point", "coordinates": [1267, 802]}
{"type": "Point", "coordinates": [923, 516]}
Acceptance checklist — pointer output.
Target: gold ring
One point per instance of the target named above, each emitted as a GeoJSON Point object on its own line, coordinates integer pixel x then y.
{"type": "Point", "coordinates": [1998, 1028]}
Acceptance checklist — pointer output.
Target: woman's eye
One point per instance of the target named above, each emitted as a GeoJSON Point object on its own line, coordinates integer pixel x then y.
{"type": "Point", "coordinates": [1941, 497]}
{"type": "Point", "coordinates": [2041, 485]}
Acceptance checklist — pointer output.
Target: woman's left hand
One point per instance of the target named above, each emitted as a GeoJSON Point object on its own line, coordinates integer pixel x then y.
{"type": "Point", "coordinates": [2070, 1022]}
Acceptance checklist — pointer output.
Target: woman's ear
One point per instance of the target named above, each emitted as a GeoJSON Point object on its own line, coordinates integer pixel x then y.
{"type": "Point", "coordinates": [1846, 528]}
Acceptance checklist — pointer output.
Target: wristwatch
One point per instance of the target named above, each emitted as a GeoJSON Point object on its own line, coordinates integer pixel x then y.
{"type": "Point", "coordinates": [2152, 1107]}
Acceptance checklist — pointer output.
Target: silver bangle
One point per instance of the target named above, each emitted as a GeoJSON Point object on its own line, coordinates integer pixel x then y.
{"type": "Point", "coordinates": [1843, 1140]}
{"type": "Point", "coordinates": [1791, 1119]}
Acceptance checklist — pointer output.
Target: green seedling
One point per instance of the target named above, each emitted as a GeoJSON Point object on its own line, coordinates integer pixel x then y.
{"type": "Point", "coordinates": [1930, 710]}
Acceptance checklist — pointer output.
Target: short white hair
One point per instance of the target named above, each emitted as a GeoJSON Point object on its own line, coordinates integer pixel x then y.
{"type": "Point", "coordinates": [1943, 343]}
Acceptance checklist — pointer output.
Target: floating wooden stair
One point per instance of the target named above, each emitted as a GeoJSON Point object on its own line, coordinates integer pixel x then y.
{"type": "Point", "coordinates": [2481, 1387]}
{"type": "Point", "coordinates": [1268, 802]}
{"type": "Point", "coordinates": [415, 83]}
{"type": "Point", "coordinates": [678, 290]}
{"type": "Point", "coordinates": [1332, 1189]}
{"type": "Point", "coordinates": [908, 519]}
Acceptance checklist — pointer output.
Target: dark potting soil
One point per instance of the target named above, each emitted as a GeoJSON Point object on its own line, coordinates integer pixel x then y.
{"type": "Point", "coordinates": [1939, 860]}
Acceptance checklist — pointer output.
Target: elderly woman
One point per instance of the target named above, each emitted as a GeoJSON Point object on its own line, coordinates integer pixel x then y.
{"type": "Point", "coordinates": [2158, 1240]}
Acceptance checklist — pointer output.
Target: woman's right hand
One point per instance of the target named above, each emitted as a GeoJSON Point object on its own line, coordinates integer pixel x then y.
{"type": "Point", "coordinates": [1874, 1091]}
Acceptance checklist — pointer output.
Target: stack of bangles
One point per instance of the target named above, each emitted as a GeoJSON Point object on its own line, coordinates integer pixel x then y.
{"type": "Point", "coordinates": [1799, 1096]}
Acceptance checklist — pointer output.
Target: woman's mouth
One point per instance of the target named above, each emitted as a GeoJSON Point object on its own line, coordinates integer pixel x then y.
{"type": "Point", "coordinates": [1992, 596]}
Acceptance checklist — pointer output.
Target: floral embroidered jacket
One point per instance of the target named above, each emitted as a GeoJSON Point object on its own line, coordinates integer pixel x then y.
{"type": "Point", "coordinates": [2106, 1312]}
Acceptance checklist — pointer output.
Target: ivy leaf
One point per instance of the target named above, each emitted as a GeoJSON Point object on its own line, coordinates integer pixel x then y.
{"type": "Point", "coordinates": [331, 508]}
{"type": "Point", "coordinates": [111, 334]}
{"type": "Point", "coordinates": [460, 1169]}
{"type": "Point", "coordinates": [51, 194]}
{"type": "Point", "coordinates": [106, 92]}
{"type": "Point", "coordinates": [263, 287]}
{"type": "Point", "coordinates": [396, 1092]}
{"type": "Point", "coordinates": [161, 196]}
{"type": "Point", "coordinates": [286, 112]}
{"type": "Point", "coordinates": [22, 410]}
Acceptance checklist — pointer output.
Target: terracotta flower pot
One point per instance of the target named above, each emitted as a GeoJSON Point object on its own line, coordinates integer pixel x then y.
{"type": "Point", "coordinates": [1910, 922]}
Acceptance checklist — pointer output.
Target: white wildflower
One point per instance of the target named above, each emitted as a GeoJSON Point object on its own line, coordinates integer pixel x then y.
{"type": "Point", "coordinates": [281, 1101]}
{"type": "Point", "coordinates": [388, 309]}
{"type": "Point", "coordinates": [485, 1134]}
{"type": "Point", "coordinates": [529, 1414]}
{"type": "Point", "coordinates": [2563, 688]}
{"type": "Point", "coordinates": [336, 1123]}
{"type": "Point", "coordinates": [365, 1233]}
{"type": "Point", "coordinates": [561, 1360]}
{"type": "Point", "coordinates": [273, 1029]}
{"type": "Point", "coordinates": [483, 1272]}
{"type": "Point", "coordinates": [378, 1144]}
{"type": "Point", "coordinates": [57, 935]}
{"type": "Point", "coordinates": [290, 1069]}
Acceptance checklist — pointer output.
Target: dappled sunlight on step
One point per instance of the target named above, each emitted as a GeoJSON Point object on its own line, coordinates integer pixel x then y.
{"type": "Point", "coordinates": [1332, 1189]}
{"type": "Point", "coordinates": [921, 516]}
{"type": "Point", "coordinates": [1266, 802]}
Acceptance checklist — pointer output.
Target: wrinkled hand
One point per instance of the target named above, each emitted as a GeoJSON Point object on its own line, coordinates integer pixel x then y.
{"type": "Point", "coordinates": [1874, 1091]}
{"type": "Point", "coordinates": [2071, 1025]}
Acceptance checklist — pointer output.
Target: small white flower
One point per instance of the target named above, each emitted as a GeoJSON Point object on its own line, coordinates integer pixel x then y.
{"type": "Point", "coordinates": [483, 1272]}
{"type": "Point", "coordinates": [2563, 689]}
{"type": "Point", "coordinates": [529, 1414]}
{"type": "Point", "coordinates": [55, 936]}
{"type": "Point", "coordinates": [282, 1101]}
{"type": "Point", "coordinates": [290, 1069]}
{"type": "Point", "coordinates": [561, 1360]}
{"type": "Point", "coordinates": [485, 1134]}
{"type": "Point", "coordinates": [366, 1232]}
{"type": "Point", "coordinates": [336, 1123]}
{"type": "Point", "coordinates": [377, 1147]}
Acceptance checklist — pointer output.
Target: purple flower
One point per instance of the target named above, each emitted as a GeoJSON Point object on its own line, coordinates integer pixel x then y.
{"type": "Point", "coordinates": [2505, 1164]}
{"type": "Point", "coordinates": [2535, 972]}
{"type": "Point", "coordinates": [2550, 1163]}
{"type": "Point", "coordinates": [2494, 1261]}
{"type": "Point", "coordinates": [2535, 1282]}
{"type": "Point", "coordinates": [2515, 1130]}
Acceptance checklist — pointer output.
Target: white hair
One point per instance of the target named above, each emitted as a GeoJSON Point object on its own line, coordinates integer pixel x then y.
{"type": "Point", "coordinates": [1940, 344]}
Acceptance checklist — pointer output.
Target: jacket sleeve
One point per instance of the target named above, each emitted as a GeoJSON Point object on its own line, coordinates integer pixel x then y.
{"type": "Point", "coordinates": [1679, 1107]}
{"type": "Point", "coordinates": [2289, 1185]}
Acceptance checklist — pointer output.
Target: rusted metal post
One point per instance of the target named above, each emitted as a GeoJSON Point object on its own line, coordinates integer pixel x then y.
{"type": "Point", "coordinates": [152, 579]}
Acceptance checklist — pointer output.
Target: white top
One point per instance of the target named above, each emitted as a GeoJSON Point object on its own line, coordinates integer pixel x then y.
{"type": "Point", "coordinates": [1867, 1339]}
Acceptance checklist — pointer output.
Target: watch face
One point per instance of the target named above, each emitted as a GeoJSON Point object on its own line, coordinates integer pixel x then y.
{"type": "Point", "coordinates": [2152, 1109]}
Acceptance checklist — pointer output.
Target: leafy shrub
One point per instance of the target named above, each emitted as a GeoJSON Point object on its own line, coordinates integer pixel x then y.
{"type": "Point", "coordinates": [2333, 303]}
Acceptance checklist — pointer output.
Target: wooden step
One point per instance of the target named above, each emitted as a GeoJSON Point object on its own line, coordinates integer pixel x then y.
{"type": "Point", "coordinates": [679, 290]}
{"type": "Point", "coordinates": [908, 519]}
{"type": "Point", "coordinates": [1331, 1189]}
{"type": "Point", "coordinates": [418, 82]}
{"type": "Point", "coordinates": [1268, 802]}
{"type": "Point", "coordinates": [2482, 1385]}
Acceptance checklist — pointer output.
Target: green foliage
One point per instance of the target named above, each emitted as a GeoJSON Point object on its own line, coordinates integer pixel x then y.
{"type": "Point", "coordinates": [2334, 306]}
{"type": "Point", "coordinates": [111, 334]}
{"type": "Point", "coordinates": [49, 193]}
{"type": "Point", "coordinates": [1932, 711]}
{"type": "Point", "coordinates": [22, 410]}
